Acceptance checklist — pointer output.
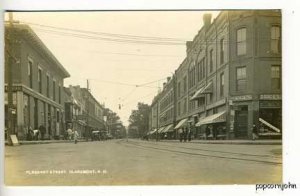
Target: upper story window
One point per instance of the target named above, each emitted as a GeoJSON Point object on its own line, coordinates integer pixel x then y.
{"type": "Point", "coordinates": [54, 91]}
{"type": "Point", "coordinates": [241, 40]}
{"type": "Point", "coordinates": [178, 89]}
{"type": "Point", "coordinates": [275, 77]}
{"type": "Point", "coordinates": [222, 51]}
{"type": "Point", "coordinates": [241, 78]}
{"type": "Point", "coordinates": [40, 80]}
{"type": "Point", "coordinates": [275, 39]}
{"type": "Point", "coordinates": [30, 63]}
{"type": "Point", "coordinates": [48, 85]}
{"type": "Point", "coordinates": [211, 62]}
{"type": "Point", "coordinates": [184, 84]}
{"type": "Point", "coordinates": [222, 84]}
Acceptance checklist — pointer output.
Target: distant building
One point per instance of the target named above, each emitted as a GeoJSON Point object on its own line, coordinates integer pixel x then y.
{"type": "Point", "coordinates": [83, 112]}
{"type": "Point", "coordinates": [230, 79]}
{"type": "Point", "coordinates": [38, 80]}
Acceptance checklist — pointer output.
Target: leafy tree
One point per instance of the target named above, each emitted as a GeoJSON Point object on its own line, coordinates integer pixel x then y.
{"type": "Point", "coordinates": [139, 120]}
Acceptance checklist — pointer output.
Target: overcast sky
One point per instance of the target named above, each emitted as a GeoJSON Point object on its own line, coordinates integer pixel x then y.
{"type": "Point", "coordinates": [114, 67]}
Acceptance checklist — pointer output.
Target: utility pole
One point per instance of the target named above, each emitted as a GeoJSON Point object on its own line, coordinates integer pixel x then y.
{"type": "Point", "coordinates": [87, 110]}
{"type": "Point", "coordinates": [9, 64]}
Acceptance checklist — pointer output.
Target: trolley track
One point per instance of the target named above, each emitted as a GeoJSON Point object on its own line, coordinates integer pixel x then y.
{"type": "Point", "coordinates": [212, 153]}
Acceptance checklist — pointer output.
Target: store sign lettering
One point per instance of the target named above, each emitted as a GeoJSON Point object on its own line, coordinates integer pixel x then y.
{"type": "Point", "coordinates": [242, 98]}
{"type": "Point", "coordinates": [270, 97]}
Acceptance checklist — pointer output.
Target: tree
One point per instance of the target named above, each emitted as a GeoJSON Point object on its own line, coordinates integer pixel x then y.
{"type": "Point", "coordinates": [139, 120]}
{"type": "Point", "coordinates": [114, 124]}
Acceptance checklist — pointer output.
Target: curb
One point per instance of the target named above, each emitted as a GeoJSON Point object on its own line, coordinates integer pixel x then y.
{"type": "Point", "coordinates": [257, 142]}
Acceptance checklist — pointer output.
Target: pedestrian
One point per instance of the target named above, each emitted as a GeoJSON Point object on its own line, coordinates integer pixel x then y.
{"type": "Point", "coordinates": [76, 135]}
{"type": "Point", "coordinates": [185, 134]}
{"type": "Point", "coordinates": [42, 129]}
{"type": "Point", "coordinates": [207, 132]}
{"type": "Point", "coordinates": [70, 133]}
{"type": "Point", "coordinates": [180, 132]}
{"type": "Point", "coordinates": [189, 135]}
{"type": "Point", "coordinates": [36, 133]}
{"type": "Point", "coordinates": [254, 132]}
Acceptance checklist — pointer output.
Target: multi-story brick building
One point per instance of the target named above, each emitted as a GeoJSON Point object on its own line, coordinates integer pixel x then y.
{"type": "Point", "coordinates": [37, 79]}
{"type": "Point", "coordinates": [230, 79]}
{"type": "Point", "coordinates": [83, 112]}
{"type": "Point", "coordinates": [166, 109]}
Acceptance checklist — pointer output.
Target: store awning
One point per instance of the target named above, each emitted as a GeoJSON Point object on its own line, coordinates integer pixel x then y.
{"type": "Point", "coordinates": [153, 131]}
{"type": "Point", "coordinates": [215, 118]}
{"type": "Point", "coordinates": [197, 94]}
{"type": "Point", "coordinates": [81, 122]}
{"type": "Point", "coordinates": [207, 88]}
{"type": "Point", "coordinates": [181, 123]}
{"type": "Point", "coordinates": [269, 125]}
{"type": "Point", "coordinates": [160, 129]}
{"type": "Point", "coordinates": [169, 128]}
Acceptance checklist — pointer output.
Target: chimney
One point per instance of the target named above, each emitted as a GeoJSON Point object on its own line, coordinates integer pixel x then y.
{"type": "Point", "coordinates": [168, 78]}
{"type": "Point", "coordinates": [164, 84]}
{"type": "Point", "coordinates": [207, 20]}
{"type": "Point", "coordinates": [188, 46]}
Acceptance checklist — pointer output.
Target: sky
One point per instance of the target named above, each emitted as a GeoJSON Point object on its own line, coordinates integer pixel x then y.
{"type": "Point", "coordinates": [115, 68]}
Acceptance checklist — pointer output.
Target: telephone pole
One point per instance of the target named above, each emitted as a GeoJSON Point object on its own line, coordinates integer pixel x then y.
{"type": "Point", "coordinates": [9, 64]}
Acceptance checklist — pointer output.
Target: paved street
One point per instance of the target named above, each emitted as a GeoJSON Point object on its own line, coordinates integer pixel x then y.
{"type": "Point", "coordinates": [136, 162]}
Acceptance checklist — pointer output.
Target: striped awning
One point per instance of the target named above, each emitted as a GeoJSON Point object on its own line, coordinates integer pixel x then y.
{"type": "Point", "coordinates": [215, 118]}
{"type": "Point", "coordinates": [169, 128]}
{"type": "Point", "coordinates": [181, 123]}
{"type": "Point", "coordinates": [160, 129]}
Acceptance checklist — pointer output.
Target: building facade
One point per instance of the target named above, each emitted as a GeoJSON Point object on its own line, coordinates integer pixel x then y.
{"type": "Point", "coordinates": [37, 81]}
{"type": "Point", "coordinates": [230, 79]}
{"type": "Point", "coordinates": [83, 112]}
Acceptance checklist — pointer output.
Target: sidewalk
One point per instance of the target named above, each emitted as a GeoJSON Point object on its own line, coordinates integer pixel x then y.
{"type": "Point", "coordinates": [245, 142]}
{"type": "Point", "coordinates": [22, 142]}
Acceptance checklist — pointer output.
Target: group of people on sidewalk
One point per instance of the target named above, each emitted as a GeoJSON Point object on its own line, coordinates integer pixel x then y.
{"type": "Point", "coordinates": [36, 134]}
{"type": "Point", "coordinates": [185, 134]}
{"type": "Point", "coordinates": [39, 134]}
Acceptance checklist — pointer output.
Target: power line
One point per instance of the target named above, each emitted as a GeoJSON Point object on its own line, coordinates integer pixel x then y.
{"type": "Point", "coordinates": [109, 39]}
{"type": "Point", "coordinates": [108, 34]}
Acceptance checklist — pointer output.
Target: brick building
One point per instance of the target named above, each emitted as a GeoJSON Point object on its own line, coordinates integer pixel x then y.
{"type": "Point", "coordinates": [38, 80]}
{"type": "Point", "coordinates": [230, 79]}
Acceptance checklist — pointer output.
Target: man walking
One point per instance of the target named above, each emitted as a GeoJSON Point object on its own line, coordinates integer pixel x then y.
{"type": "Point", "coordinates": [76, 135]}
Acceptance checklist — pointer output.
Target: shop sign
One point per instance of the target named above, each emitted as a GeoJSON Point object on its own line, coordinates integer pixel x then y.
{"type": "Point", "coordinates": [14, 88]}
{"type": "Point", "coordinates": [270, 104]}
{"type": "Point", "coordinates": [270, 97]}
{"type": "Point", "coordinates": [242, 98]}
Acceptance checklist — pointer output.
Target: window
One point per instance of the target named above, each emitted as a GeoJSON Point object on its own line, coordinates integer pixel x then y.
{"type": "Point", "coordinates": [222, 83]}
{"type": "Point", "coordinates": [40, 80]}
{"type": "Point", "coordinates": [198, 71]}
{"type": "Point", "coordinates": [241, 41]}
{"type": "Point", "coordinates": [241, 81]}
{"type": "Point", "coordinates": [275, 77]}
{"type": "Point", "coordinates": [275, 39]}
{"type": "Point", "coordinates": [178, 89]}
{"type": "Point", "coordinates": [222, 48]}
{"type": "Point", "coordinates": [54, 92]}
{"type": "Point", "coordinates": [59, 95]}
{"type": "Point", "coordinates": [185, 106]}
{"type": "Point", "coordinates": [30, 73]}
{"type": "Point", "coordinates": [211, 60]}
{"type": "Point", "coordinates": [178, 109]}
{"type": "Point", "coordinates": [48, 88]}
{"type": "Point", "coordinates": [184, 84]}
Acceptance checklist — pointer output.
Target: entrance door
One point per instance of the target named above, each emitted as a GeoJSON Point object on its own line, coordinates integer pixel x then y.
{"type": "Point", "coordinates": [36, 122]}
{"type": "Point", "coordinates": [241, 122]}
